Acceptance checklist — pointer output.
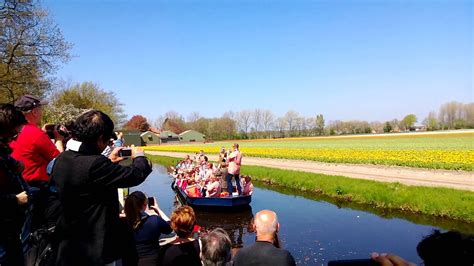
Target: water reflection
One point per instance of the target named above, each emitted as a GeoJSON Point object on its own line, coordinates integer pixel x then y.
{"type": "Point", "coordinates": [315, 230]}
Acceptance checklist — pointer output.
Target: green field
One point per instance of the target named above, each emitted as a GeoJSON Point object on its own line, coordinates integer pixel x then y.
{"type": "Point", "coordinates": [454, 151]}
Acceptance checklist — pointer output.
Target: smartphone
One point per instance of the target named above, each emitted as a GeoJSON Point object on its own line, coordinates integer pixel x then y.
{"type": "Point", "coordinates": [151, 202]}
{"type": "Point", "coordinates": [356, 262]}
{"type": "Point", "coordinates": [125, 152]}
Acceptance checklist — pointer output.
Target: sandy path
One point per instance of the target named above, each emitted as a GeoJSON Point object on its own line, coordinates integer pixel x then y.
{"type": "Point", "coordinates": [405, 175]}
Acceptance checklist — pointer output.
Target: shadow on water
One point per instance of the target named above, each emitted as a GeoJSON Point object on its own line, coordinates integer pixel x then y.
{"type": "Point", "coordinates": [447, 224]}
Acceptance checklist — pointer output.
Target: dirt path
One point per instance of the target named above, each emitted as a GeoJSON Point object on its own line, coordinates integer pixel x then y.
{"type": "Point", "coordinates": [405, 175]}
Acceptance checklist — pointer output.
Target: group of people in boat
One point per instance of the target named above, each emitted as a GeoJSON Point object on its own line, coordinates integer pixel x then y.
{"type": "Point", "coordinates": [198, 177]}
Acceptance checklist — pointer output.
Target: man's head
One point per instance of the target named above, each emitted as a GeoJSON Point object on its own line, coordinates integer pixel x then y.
{"type": "Point", "coordinates": [235, 146]}
{"type": "Point", "coordinates": [266, 224]}
{"type": "Point", "coordinates": [93, 127]}
{"type": "Point", "coordinates": [31, 107]}
{"type": "Point", "coordinates": [11, 121]}
{"type": "Point", "coordinates": [216, 247]}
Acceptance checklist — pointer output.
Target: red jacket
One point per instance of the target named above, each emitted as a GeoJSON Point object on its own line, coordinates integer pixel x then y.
{"type": "Point", "coordinates": [34, 148]}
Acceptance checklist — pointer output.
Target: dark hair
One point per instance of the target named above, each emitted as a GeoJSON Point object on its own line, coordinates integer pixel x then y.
{"type": "Point", "coordinates": [450, 248]}
{"type": "Point", "coordinates": [216, 247]}
{"type": "Point", "coordinates": [91, 126]}
{"type": "Point", "coordinates": [205, 158]}
{"type": "Point", "coordinates": [10, 118]}
{"type": "Point", "coordinates": [133, 207]}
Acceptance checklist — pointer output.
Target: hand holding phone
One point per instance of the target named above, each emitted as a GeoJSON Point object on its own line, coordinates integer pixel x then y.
{"type": "Point", "coordinates": [151, 202]}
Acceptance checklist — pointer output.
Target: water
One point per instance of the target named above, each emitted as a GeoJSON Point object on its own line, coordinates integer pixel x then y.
{"type": "Point", "coordinates": [315, 231]}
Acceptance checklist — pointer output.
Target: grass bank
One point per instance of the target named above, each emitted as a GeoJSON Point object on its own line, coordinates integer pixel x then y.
{"type": "Point", "coordinates": [438, 202]}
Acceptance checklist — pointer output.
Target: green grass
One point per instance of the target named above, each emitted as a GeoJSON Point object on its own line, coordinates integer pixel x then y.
{"type": "Point", "coordinates": [437, 202]}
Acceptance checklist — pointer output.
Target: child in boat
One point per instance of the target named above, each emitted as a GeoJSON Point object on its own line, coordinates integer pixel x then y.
{"type": "Point", "coordinates": [248, 186]}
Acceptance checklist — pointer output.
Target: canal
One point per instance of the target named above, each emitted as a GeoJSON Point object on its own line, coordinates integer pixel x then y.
{"type": "Point", "coordinates": [314, 230]}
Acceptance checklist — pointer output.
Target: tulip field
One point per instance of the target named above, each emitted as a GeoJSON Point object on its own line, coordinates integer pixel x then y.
{"type": "Point", "coordinates": [453, 151]}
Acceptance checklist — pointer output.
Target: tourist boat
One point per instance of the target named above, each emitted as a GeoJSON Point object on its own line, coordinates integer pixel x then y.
{"type": "Point", "coordinates": [224, 202]}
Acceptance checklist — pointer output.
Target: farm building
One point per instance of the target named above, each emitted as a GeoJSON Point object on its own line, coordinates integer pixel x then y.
{"type": "Point", "coordinates": [150, 138]}
{"type": "Point", "coordinates": [168, 136]}
{"type": "Point", "coordinates": [192, 136]}
{"type": "Point", "coordinates": [132, 138]}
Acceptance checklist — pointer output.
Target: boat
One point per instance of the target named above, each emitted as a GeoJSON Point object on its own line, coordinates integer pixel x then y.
{"type": "Point", "coordinates": [223, 202]}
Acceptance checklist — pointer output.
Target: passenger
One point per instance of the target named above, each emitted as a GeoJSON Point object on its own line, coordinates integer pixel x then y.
{"type": "Point", "coordinates": [248, 186]}
{"type": "Point", "coordinates": [234, 162]}
{"type": "Point", "coordinates": [13, 190]}
{"type": "Point", "coordinates": [184, 250]}
{"type": "Point", "coordinates": [89, 231]}
{"type": "Point", "coordinates": [147, 227]}
{"type": "Point", "coordinates": [213, 188]}
{"type": "Point", "coordinates": [34, 148]}
{"type": "Point", "coordinates": [193, 190]}
{"type": "Point", "coordinates": [216, 248]}
{"type": "Point", "coordinates": [266, 250]}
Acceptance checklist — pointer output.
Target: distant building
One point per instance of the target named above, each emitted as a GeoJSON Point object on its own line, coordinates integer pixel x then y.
{"type": "Point", "coordinates": [150, 138]}
{"type": "Point", "coordinates": [169, 137]}
{"type": "Point", "coordinates": [132, 138]}
{"type": "Point", "coordinates": [192, 136]}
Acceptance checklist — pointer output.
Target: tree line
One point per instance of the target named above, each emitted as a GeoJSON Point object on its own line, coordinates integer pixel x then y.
{"type": "Point", "coordinates": [262, 123]}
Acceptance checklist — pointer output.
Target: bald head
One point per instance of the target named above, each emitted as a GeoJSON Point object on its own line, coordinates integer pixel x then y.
{"type": "Point", "coordinates": [266, 222]}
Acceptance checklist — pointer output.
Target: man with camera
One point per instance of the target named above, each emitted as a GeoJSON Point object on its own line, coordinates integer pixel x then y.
{"type": "Point", "coordinates": [34, 148]}
{"type": "Point", "coordinates": [88, 229]}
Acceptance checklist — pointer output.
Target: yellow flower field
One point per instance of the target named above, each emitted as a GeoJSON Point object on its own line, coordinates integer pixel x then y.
{"type": "Point", "coordinates": [442, 153]}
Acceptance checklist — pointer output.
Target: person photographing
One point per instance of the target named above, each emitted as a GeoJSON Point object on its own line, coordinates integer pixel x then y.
{"type": "Point", "coordinates": [88, 229]}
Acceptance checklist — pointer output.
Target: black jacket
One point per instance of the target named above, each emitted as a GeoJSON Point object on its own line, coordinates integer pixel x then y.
{"type": "Point", "coordinates": [88, 228]}
{"type": "Point", "coordinates": [12, 215]}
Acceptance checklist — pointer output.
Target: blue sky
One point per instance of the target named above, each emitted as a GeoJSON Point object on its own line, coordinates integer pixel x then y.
{"type": "Point", "coordinates": [369, 60]}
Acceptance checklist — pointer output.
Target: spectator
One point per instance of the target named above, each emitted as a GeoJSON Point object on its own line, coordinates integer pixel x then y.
{"type": "Point", "coordinates": [184, 250]}
{"type": "Point", "coordinates": [147, 228]}
{"type": "Point", "coordinates": [88, 229]}
{"type": "Point", "coordinates": [234, 161]}
{"type": "Point", "coordinates": [13, 190]}
{"type": "Point", "coordinates": [34, 148]}
{"type": "Point", "coordinates": [265, 251]}
{"type": "Point", "coordinates": [216, 248]}
{"type": "Point", "coordinates": [449, 248]}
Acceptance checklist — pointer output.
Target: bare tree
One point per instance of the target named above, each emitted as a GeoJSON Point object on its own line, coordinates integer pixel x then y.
{"type": "Point", "coordinates": [159, 121]}
{"type": "Point", "coordinates": [243, 120]}
{"type": "Point", "coordinates": [449, 113]}
{"type": "Point", "coordinates": [193, 117]}
{"type": "Point", "coordinates": [267, 120]}
{"type": "Point", "coordinates": [257, 117]}
{"type": "Point", "coordinates": [290, 118]}
{"type": "Point", "coordinates": [281, 125]}
{"type": "Point", "coordinates": [31, 48]}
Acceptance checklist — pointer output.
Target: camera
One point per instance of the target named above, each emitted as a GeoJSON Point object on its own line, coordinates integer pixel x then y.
{"type": "Point", "coordinates": [62, 130]}
{"type": "Point", "coordinates": [125, 152]}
